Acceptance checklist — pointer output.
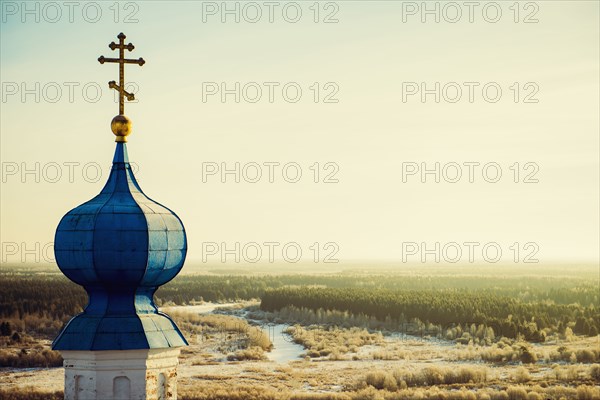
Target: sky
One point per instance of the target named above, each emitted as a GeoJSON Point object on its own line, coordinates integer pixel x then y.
{"type": "Point", "coordinates": [336, 118]}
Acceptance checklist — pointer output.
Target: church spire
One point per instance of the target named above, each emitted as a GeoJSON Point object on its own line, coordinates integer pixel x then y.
{"type": "Point", "coordinates": [120, 246]}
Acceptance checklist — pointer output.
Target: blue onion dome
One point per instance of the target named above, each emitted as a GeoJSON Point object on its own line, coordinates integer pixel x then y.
{"type": "Point", "coordinates": [120, 246]}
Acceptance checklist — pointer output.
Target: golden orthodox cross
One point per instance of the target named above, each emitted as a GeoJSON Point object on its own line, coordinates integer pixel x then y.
{"type": "Point", "coordinates": [122, 61]}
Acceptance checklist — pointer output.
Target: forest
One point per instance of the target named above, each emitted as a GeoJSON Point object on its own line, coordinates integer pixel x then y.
{"type": "Point", "coordinates": [507, 316]}
{"type": "Point", "coordinates": [559, 290]}
{"type": "Point", "coordinates": [41, 303]}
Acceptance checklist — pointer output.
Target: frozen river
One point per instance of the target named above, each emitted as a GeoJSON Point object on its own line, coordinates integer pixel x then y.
{"type": "Point", "coordinates": [284, 349]}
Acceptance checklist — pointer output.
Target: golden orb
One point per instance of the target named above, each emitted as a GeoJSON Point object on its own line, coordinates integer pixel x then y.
{"type": "Point", "coordinates": [121, 127]}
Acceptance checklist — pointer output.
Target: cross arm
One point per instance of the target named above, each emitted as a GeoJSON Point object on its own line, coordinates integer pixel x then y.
{"type": "Point", "coordinates": [113, 46]}
{"type": "Point", "coordinates": [140, 61]}
{"type": "Point", "coordinates": [113, 85]}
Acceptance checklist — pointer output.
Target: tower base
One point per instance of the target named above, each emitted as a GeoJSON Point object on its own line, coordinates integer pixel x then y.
{"type": "Point", "coordinates": [121, 374]}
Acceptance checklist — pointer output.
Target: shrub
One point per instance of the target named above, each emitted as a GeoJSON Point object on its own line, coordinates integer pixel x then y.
{"type": "Point", "coordinates": [428, 376]}
{"type": "Point", "coordinates": [527, 356]}
{"type": "Point", "coordinates": [31, 359]}
{"type": "Point", "coordinates": [587, 356]}
{"type": "Point", "coordinates": [534, 396]}
{"type": "Point", "coordinates": [29, 393]}
{"type": "Point", "coordinates": [587, 393]}
{"type": "Point", "coordinates": [521, 375]}
{"type": "Point", "coordinates": [516, 393]}
{"type": "Point", "coordinates": [203, 324]}
{"type": "Point", "coordinates": [595, 372]}
{"type": "Point", "coordinates": [380, 380]}
{"type": "Point", "coordinates": [252, 353]}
